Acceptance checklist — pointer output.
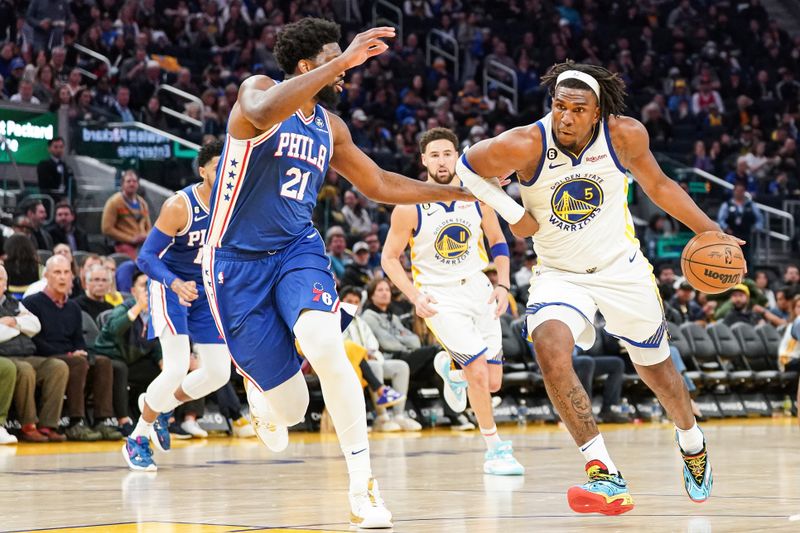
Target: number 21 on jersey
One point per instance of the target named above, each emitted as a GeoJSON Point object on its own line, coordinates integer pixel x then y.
{"type": "Point", "coordinates": [295, 187]}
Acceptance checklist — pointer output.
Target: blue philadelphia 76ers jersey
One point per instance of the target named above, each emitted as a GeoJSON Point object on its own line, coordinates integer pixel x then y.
{"type": "Point", "coordinates": [267, 187]}
{"type": "Point", "coordinates": [183, 257]}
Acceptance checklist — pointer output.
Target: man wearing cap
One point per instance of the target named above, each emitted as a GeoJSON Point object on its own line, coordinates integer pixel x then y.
{"type": "Point", "coordinates": [741, 312]}
{"type": "Point", "coordinates": [685, 305]}
{"type": "Point", "coordinates": [358, 122]}
{"type": "Point", "coordinates": [336, 248]}
{"type": "Point", "coordinates": [358, 273]}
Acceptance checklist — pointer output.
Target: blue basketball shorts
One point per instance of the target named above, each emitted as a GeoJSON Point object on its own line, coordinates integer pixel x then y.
{"type": "Point", "coordinates": [166, 312]}
{"type": "Point", "coordinates": [257, 297]}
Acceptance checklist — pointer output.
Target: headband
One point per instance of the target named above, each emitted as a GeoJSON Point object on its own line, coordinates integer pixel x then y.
{"type": "Point", "coordinates": [581, 76]}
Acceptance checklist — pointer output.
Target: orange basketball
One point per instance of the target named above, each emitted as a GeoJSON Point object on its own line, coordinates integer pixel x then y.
{"type": "Point", "coordinates": [712, 262]}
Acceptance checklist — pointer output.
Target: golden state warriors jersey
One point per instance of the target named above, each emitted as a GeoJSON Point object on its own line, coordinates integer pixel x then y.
{"type": "Point", "coordinates": [447, 244]}
{"type": "Point", "coordinates": [580, 203]}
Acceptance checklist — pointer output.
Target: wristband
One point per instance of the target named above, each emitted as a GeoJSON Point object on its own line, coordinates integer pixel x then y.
{"type": "Point", "coordinates": [489, 193]}
{"type": "Point", "coordinates": [499, 249]}
{"type": "Point", "coordinates": [503, 286]}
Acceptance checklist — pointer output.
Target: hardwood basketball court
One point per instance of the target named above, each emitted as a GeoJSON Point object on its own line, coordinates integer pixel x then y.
{"type": "Point", "coordinates": [432, 482]}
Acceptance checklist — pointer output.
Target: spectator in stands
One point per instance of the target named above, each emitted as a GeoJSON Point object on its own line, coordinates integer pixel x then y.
{"type": "Point", "coordinates": [683, 302]}
{"type": "Point", "coordinates": [25, 93]}
{"type": "Point", "coordinates": [791, 278]}
{"type": "Point", "coordinates": [17, 326]}
{"type": "Point", "coordinates": [666, 281]}
{"type": "Point", "coordinates": [61, 336]}
{"type": "Point", "coordinates": [789, 350]}
{"type": "Point", "coordinates": [522, 277]}
{"type": "Point", "coordinates": [98, 285]}
{"type": "Point", "coordinates": [337, 250]}
{"type": "Point", "coordinates": [152, 114]}
{"type": "Point", "coordinates": [740, 312]}
{"type": "Point", "coordinates": [8, 377]}
{"type": "Point", "coordinates": [21, 262]}
{"type": "Point", "coordinates": [87, 263]}
{"type": "Point", "coordinates": [114, 297]}
{"type": "Point", "coordinates": [45, 87]}
{"type": "Point", "coordinates": [126, 217]}
{"type": "Point", "coordinates": [63, 229]}
{"type": "Point", "coordinates": [355, 214]}
{"type": "Point", "coordinates": [783, 302]}
{"type": "Point", "coordinates": [121, 103]}
{"type": "Point", "coordinates": [77, 288]}
{"type": "Point", "coordinates": [742, 174]}
{"type": "Point", "coordinates": [47, 19]}
{"type": "Point", "coordinates": [741, 217]}
{"type": "Point", "coordinates": [762, 282]}
{"type": "Point", "coordinates": [374, 244]}
{"type": "Point", "coordinates": [37, 216]}
{"type": "Point", "coordinates": [54, 175]}
{"type": "Point", "coordinates": [358, 273]}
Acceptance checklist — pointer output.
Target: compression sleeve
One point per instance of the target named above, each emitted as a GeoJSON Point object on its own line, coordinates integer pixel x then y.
{"type": "Point", "coordinates": [489, 192]}
{"type": "Point", "coordinates": [149, 259]}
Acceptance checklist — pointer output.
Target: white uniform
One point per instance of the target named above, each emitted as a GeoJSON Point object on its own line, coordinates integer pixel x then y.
{"type": "Point", "coordinates": [447, 262]}
{"type": "Point", "coordinates": [589, 256]}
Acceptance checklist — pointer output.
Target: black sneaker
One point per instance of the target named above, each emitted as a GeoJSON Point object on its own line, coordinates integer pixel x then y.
{"type": "Point", "coordinates": [177, 432]}
{"type": "Point", "coordinates": [612, 417]}
{"type": "Point", "coordinates": [82, 432]}
{"type": "Point", "coordinates": [126, 429]}
{"type": "Point", "coordinates": [107, 431]}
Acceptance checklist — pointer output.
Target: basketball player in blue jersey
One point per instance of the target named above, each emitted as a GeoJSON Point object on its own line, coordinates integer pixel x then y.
{"type": "Point", "coordinates": [453, 295]}
{"type": "Point", "coordinates": [264, 265]}
{"type": "Point", "coordinates": [572, 166]}
{"type": "Point", "coordinates": [179, 312]}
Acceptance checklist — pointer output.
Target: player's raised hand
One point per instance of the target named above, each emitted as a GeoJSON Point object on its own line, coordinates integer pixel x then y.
{"type": "Point", "coordinates": [499, 295]}
{"type": "Point", "coordinates": [186, 291]}
{"type": "Point", "coordinates": [424, 305]}
{"type": "Point", "coordinates": [367, 44]}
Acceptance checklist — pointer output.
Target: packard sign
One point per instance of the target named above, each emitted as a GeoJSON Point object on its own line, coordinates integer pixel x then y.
{"type": "Point", "coordinates": [24, 135]}
{"type": "Point", "coordinates": [119, 143]}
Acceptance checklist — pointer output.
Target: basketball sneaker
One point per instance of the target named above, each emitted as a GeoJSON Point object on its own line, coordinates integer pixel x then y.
{"type": "Point", "coordinates": [159, 433]}
{"type": "Point", "coordinates": [455, 392]}
{"type": "Point", "coordinates": [138, 455]}
{"type": "Point", "coordinates": [274, 437]}
{"type": "Point", "coordinates": [389, 397]}
{"type": "Point", "coordinates": [697, 477]}
{"type": "Point", "coordinates": [500, 461]}
{"type": "Point", "coordinates": [604, 493]}
{"type": "Point", "coordinates": [367, 509]}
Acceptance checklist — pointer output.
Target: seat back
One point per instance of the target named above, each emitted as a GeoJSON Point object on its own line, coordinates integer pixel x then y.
{"type": "Point", "coordinates": [103, 318]}
{"type": "Point", "coordinates": [678, 339]}
{"type": "Point", "coordinates": [770, 337]}
{"type": "Point", "coordinates": [90, 329]}
{"type": "Point", "coordinates": [753, 348]}
{"type": "Point", "coordinates": [703, 349]}
{"type": "Point", "coordinates": [728, 348]}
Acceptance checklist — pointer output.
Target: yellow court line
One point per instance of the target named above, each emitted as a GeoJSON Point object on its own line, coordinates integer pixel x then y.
{"type": "Point", "coordinates": [168, 527]}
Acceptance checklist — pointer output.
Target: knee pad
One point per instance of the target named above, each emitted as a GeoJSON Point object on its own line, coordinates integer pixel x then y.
{"type": "Point", "coordinates": [216, 362]}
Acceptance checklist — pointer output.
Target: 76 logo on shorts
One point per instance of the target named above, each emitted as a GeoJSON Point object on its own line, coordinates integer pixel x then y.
{"type": "Point", "coordinates": [320, 293]}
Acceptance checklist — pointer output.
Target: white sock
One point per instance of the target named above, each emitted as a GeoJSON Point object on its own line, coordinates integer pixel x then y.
{"type": "Point", "coordinates": [358, 466]}
{"type": "Point", "coordinates": [142, 428]}
{"type": "Point", "coordinates": [690, 440]}
{"type": "Point", "coordinates": [491, 437]}
{"type": "Point", "coordinates": [595, 450]}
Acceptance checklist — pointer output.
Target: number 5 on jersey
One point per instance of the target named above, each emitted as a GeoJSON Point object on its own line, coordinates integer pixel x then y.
{"type": "Point", "coordinates": [295, 188]}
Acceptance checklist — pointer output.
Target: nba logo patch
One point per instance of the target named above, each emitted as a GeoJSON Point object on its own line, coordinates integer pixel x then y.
{"type": "Point", "coordinates": [320, 123]}
{"type": "Point", "coordinates": [221, 278]}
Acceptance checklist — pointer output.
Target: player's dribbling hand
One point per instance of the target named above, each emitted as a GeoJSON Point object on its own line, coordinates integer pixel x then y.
{"type": "Point", "coordinates": [424, 307]}
{"type": "Point", "coordinates": [499, 295]}
{"type": "Point", "coordinates": [186, 291]}
{"type": "Point", "coordinates": [365, 45]}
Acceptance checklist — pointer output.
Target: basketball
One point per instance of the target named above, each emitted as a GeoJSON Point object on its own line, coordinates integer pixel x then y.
{"type": "Point", "coordinates": [712, 262]}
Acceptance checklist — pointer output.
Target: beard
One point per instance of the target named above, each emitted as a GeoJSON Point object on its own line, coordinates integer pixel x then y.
{"type": "Point", "coordinates": [328, 97]}
{"type": "Point", "coordinates": [441, 181]}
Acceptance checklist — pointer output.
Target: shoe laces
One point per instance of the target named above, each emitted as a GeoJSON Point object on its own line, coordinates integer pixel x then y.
{"type": "Point", "coordinates": [697, 466]}
{"type": "Point", "coordinates": [143, 450]}
{"type": "Point", "coordinates": [260, 423]}
{"type": "Point", "coordinates": [596, 472]}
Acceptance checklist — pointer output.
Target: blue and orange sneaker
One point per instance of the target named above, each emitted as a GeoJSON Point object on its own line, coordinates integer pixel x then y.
{"type": "Point", "coordinates": [697, 477]}
{"type": "Point", "coordinates": [138, 455]}
{"type": "Point", "coordinates": [604, 493]}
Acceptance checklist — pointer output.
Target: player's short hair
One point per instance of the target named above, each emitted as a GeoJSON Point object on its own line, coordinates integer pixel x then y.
{"type": "Point", "coordinates": [348, 290]}
{"type": "Point", "coordinates": [209, 151]}
{"type": "Point", "coordinates": [435, 134]}
{"type": "Point", "coordinates": [136, 274]}
{"type": "Point", "coordinates": [304, 39]}
{"type": "Point", "coordinates": [612, 87]}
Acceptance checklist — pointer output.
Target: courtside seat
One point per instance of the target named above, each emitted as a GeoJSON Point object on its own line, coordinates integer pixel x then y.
{"type": "Point", "coordinates": [678, 339]}
{"type": "Point", "coordinates": [740, 376]}
{"type": "Point", "coordinates": [771, 338]}
{"type": "Point", "coordinates": [755, 353]}
{"type": "Point", "coordinates": [704, 356]}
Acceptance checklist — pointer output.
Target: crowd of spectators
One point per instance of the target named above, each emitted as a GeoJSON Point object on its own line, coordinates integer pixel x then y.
{"type": "Point", "coordinates": [713, 82]}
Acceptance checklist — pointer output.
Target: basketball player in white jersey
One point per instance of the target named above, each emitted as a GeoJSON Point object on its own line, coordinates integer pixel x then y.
{"type": "Point", "coordinates": [451, 292]}
{"type": "Point", "coordinates": [572, 168]}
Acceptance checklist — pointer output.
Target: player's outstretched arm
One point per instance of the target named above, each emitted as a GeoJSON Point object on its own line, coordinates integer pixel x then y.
{"type": "Point", "coordinates": [500, 257]}
{"type": "Point", "coordinates": [174, 217]}
{"type": "Point", "coordinates": [381, 185]}
{"type": "Point", "coordinates": [404, 222]}
{"type": "Point", "coordinates": [263, 103]}
{"type": "Point", "coordinates": [516, 150]}
{"type": "Point", "coordinates": [632, 145]}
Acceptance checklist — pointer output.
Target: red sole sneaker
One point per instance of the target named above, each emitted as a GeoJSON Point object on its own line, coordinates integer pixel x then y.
{"type": "Point", "coordinates": [583, 501]}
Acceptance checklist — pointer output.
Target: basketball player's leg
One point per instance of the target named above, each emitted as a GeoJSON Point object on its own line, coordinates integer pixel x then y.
{"type": "Point", "coordinates": [215, 361]}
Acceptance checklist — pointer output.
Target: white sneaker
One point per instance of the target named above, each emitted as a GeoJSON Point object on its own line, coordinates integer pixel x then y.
{"type": "Point", "coordinates": [6, 437]}
{"type": "Point", "coordinates": [407, 424]}
{"type": "Point", "coordinates": [367, 509]}
{"type": "Point", "coordinates": [455, 392]}
{"type": "Point", "coordinates": [274, 437]}
{"type": "Point", "coordinates": [500, 461]}
{"type": "Point", "coordinates": [242, 428]}
{"type": "Point", "coordinates": [193, 428]}
{"type": "Point", "coordinates": [384, 424]}
{"type": "Point", "coordinates": [462, 423]}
